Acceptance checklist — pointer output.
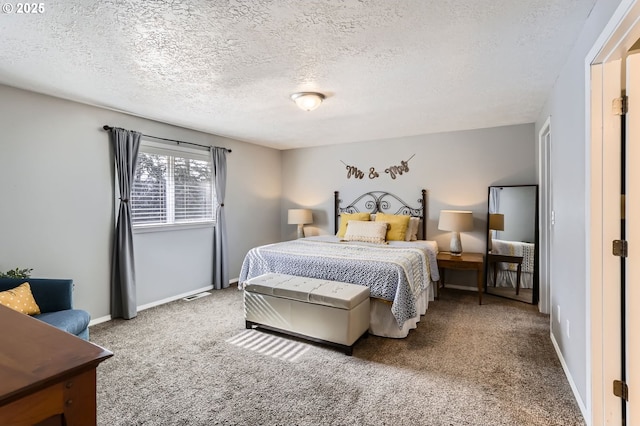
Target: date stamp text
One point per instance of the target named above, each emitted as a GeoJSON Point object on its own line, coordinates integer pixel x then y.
{"type": "Point", "coordinates": [22, 8]}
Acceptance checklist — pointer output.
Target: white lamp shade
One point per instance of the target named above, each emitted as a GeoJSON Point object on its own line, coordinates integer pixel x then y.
{"type": "Point", "coordinates": [307, 101]}
{"type": "Point", "coordinates": [455, 220]}
{"type": "Point", "coordinates": [299, 216]}
{"type": "Point", "coordinates": [496, 221]}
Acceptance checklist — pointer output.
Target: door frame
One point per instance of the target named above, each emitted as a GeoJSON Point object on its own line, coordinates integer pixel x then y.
{"type": "Point", "coordinates": [546, 222]}
{"type": "Point", "coordinates": [603, 212]}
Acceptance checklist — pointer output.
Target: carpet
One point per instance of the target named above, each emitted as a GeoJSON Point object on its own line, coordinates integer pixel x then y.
{"type": "Point", "coordinates": [194, 363]}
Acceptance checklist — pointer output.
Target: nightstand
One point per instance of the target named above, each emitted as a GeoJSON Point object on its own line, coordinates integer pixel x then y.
{"type": "Point", "coordinates": [466, 261]}
{"type": "Point", "coordinates": [493, 259]}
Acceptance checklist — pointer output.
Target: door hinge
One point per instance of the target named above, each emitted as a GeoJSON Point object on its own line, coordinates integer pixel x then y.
{"type": "Point", "coordinates": [620, 106]}
{"type": "Point", "coordinates": [620, 389]}
{"type": "Point", "coordinates": [620, 248]}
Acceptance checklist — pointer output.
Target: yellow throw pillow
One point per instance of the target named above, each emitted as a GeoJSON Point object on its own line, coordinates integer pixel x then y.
{"type": "Point", "coordinates": [398, 224]}
{"type": "Point", "coordinates": [20, 299]}
{"type": "Point", "coordinates": [346, 217]}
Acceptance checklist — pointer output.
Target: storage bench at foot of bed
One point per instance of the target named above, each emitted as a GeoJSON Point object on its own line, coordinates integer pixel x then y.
{"type": "Point", "coordinates": [324, 311]}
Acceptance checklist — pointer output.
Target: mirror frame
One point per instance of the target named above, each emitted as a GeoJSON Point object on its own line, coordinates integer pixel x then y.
{"type": "Point", "coordinates": [535, 296]}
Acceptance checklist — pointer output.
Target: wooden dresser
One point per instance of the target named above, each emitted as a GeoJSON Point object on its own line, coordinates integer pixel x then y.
{"type": "Point", "coordinates": [47, 376]}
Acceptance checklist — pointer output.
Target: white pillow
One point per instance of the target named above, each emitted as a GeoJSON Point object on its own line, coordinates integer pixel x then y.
{"type": "Point", "coordinates": [412, 229]}
{"type": "Point", "coordinates": [366, 231]}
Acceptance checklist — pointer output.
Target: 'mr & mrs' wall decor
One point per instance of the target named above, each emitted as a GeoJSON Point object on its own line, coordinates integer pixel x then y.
{"type": "Point", "coordinates": [393, 171]}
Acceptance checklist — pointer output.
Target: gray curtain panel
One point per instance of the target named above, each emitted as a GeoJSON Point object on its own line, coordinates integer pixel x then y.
{"type": "Point", "coordinates": [494, 200]}
{"type": "Point", "coordinates": [123, 276]}
{"type": "Point", "coordinates": [220, 252]}
{"type": "Point", "coordinates": [494, 206]}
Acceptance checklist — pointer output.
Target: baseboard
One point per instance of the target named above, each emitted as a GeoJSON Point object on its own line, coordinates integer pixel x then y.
{"type": "Point", "coordinates": [173, 298]}
{"type": "Point", "coordinates": [161, 302]}
{"type": "Point", "coordinates": [99, 320]}
{"type": "Point", "coordinates": [574, 389]}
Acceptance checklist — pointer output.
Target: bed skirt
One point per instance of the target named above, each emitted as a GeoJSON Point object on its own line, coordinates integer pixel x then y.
{"type": "Point", "coordinates": [384, 324]}
{"type": "Point", "coordinates": [510, 279]}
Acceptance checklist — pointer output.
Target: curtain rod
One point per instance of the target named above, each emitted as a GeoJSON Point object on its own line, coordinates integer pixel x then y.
{"type": "Point", "coordinates": [107, 127]}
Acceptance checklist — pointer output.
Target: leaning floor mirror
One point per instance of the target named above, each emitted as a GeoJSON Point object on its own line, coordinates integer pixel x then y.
{"type": "Point", "coordinates": [512, 242]}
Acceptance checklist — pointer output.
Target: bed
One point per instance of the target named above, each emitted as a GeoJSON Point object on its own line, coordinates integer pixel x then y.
{"type": "Point", "coordinates": [401, 274]}
{"type": "Point", "coordinates": [507, 273]}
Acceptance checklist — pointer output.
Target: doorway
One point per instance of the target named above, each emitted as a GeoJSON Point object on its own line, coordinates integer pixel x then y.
{"type": "Point", "coordinates": [614, 279]}
{"type": "Point", "coordinates": [633, 234]}
{"type": "Point", "coordinates": [546, 216]}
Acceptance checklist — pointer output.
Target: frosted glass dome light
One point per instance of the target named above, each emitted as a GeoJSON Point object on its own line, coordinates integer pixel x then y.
{"type": "Point", "coordinates": [308, 101]}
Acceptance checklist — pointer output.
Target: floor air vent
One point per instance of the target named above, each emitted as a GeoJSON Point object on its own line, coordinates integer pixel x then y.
{"type": "Point", "coordinates": [196, 296]}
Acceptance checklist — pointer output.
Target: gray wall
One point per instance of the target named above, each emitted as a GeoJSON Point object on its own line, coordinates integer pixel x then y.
{"type": "Point", "coordinates": [566, 106]}
{"type": "Point", "coordinates": [518, 204]}
{"type": "Point", "coordinates": [455, 168]}
{"type": "Point", "coordinates": [57, 202]}
{"type": "Point", "coordinates": [57, 176]}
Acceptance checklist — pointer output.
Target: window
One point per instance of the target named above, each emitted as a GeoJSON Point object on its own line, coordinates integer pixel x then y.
{"type": "Point", "coordinates": [171, 185]}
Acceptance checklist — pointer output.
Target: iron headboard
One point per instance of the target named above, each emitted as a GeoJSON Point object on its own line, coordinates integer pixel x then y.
{"type": "Point", "coordinates": [383, 202]}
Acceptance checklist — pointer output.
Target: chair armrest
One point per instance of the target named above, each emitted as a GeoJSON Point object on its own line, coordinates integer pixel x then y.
{"type": "Point", "coordinates": [50, 294]}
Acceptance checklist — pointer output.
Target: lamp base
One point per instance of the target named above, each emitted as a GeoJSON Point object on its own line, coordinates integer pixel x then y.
{"type": "Point", "coordinates": [300, 231]}
{"type": "Point", "coordinates": [455, 247]}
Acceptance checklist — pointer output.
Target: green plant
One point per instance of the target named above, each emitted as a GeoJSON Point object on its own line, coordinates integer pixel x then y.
{"type": "Point", "coordinates": [17, 273]}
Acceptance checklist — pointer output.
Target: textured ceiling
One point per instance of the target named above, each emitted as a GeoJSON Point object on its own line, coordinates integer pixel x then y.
{"type": "Point", "coordinates": [389, 68]}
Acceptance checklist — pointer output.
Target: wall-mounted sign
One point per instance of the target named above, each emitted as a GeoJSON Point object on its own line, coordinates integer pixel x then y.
{"type": "Point", "coordinates": [393, 171]}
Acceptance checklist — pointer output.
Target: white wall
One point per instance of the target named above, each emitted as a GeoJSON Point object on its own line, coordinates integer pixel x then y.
{"type": "Point", "coordinates": [455, 168]}
{"type": "Point", "coordinates": [57, 202]}
{"type": "Point", "coordinates": [566, 106]}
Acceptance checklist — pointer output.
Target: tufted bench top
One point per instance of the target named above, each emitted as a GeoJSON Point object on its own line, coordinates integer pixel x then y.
{"type": "Point", "coordinates": [311, 290]}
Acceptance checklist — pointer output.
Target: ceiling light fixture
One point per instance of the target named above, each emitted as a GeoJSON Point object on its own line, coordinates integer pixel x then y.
{"type": "Point", "coordinates": [308, 101]}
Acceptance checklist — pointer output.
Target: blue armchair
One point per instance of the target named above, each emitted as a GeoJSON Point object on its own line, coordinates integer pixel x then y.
{"type": "Point", "coordinates": [55, 299]}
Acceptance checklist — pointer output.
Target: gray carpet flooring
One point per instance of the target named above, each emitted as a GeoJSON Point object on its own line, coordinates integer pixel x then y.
{"type": "Point", "coordinates": [193, 363]}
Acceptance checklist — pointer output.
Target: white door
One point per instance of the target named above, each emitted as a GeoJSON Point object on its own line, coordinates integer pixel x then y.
{"type": "Point", "coordinates": [614, 283]}
{"type": "Point", "coordinates": [619, 156]}
{"type": "Point", "coordinates": [632, 120]}
{"type": "Point", "coordinates": [605, 271]}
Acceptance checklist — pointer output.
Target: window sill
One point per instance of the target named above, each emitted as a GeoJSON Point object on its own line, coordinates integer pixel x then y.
{"type": "Point", "coordinates": [142, 229]}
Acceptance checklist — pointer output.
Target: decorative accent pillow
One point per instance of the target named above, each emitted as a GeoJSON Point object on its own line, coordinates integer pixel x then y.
{"type": "Point", "coordinates": [398, 225]}
{"type": "Point", "coordinates": [412, 229]}
{"type": "Point", "coordinates": [366, 231]}
{"type": "Point", "coordinates": [20, 299]}
{"type": "Point", "coordinates": [346, 217]}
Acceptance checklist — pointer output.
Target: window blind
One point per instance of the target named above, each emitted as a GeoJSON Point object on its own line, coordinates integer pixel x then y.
{"type": "Point", "coordinates": [171, 186]}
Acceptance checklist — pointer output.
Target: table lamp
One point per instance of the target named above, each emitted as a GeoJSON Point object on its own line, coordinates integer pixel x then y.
{"type": "Point", "coordinates": [496, 223]}
{"type": "Point", "coordinates": [455, 221]}
{"type": "Point", "coordinates": [300, 217]}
